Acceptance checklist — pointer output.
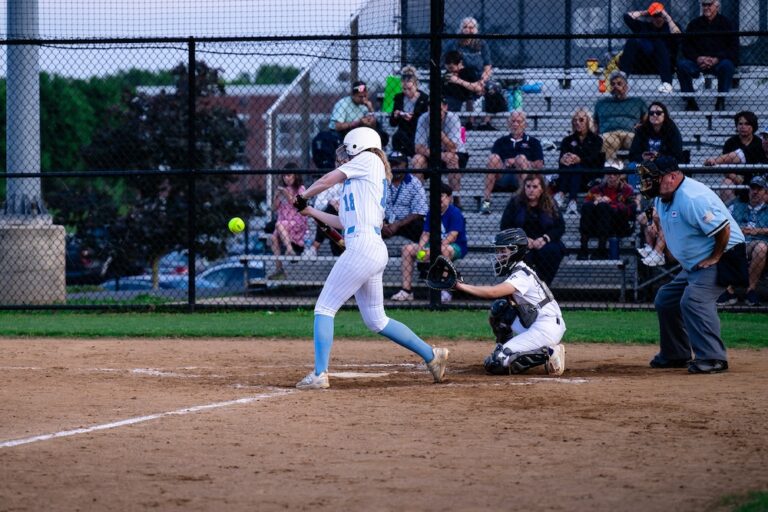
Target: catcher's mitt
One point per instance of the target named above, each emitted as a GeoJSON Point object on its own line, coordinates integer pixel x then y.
{"type": "Point", "coordinates": [299, 202]}
{"type": "Point", "coordinates": [443, 275]}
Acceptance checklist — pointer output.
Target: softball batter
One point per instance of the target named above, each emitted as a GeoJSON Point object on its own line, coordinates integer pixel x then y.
{"type": "Point", "coordinates": [365, 173]}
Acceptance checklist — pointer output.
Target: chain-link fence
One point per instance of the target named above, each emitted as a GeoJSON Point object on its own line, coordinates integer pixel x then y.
{"type": "Point", "coordinates": [123, 168]}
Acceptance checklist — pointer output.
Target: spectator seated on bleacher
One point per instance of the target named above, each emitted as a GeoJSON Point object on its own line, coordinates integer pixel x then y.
{"type": "Point", "coordinates": [460, 84]}
{"type": "Point", "coordinates": [453, 154]}
{"type": "Point", "coordinates": [534, 211]}
{"type": "Point", "coordinates": [453, 245]}
{"type": "Point", "coordinates": [326, 201]}
{"type": "Point", "coordinates": [617, 117]}
{"type": "Point", "coordinates": [652, 251]}
{"type": "Point", "coordinates": [517, 150]}
{"type": "Point", "coordinates": [743, 148]}
{"type": "Point", "coordinates": [409, 105]}
{"type": "Point", "coordinates": [582, 149]}
{"type": "Point", "coordinates": [354, 111]}
{"type": "Point", "coordinates": [406, 202]}
{"type": "Point", "coordinates": [476, 58]}
{"type": "Point", "coordinates": [711, 53]}
{"type": "Point", "coordinates": [291, 226]}
{"type": "Point", "coordinates": [752, 218]}
{"type": "Point", "coordinates": [657, 135]}
{"type": "Point", "coordinates": [651, 54]}
{"type": "Point", "coordinates": [607, 213]}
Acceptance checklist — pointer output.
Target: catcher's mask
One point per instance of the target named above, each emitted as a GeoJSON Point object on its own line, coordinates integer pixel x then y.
{"type": "Point", "coordinates": [651, 172]}
{"type": "Point", "coordinates": [510, 247]}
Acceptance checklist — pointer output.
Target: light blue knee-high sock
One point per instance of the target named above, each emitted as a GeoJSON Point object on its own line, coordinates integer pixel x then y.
{"type": "Point", "coordinates": [323, 342]}
{"type": "Point", "coordinates": [405, 337]}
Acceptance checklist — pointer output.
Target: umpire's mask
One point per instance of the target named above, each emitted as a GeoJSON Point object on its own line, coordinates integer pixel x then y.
{"type": "Point", "coordinates": [651, 172]}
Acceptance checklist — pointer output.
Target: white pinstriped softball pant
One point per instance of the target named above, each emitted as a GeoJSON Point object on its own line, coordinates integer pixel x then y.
{"type": "Point", "coordinates": [359, 271]}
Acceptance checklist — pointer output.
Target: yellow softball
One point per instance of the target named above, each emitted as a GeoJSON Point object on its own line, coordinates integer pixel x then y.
{"type": "Point", "coordinates": [236, 225]}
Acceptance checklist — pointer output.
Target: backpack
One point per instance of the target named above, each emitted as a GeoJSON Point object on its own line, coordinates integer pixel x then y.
{"type": "Point", "coordinates": [324, 146]}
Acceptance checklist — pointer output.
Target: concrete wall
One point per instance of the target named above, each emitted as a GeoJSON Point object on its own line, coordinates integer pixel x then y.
{"type": "Point", "coordinates": [32, 264]}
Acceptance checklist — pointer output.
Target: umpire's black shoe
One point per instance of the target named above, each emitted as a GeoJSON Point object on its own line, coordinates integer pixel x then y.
{"type": "Point", "coordinates": [707, 366]}
{"type": "Point", "coordinates": [660, 361]}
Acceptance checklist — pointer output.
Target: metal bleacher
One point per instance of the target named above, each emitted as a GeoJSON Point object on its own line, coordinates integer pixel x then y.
{"type": "Point", "coordinates": [549, 112]}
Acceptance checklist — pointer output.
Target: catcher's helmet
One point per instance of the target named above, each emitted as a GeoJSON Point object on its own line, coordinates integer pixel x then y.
{"type": "Point", "coordinates": [510, 247]}
{"type": "Point", "coordinates": [651, 172]}
{"type": "Point", "coordinates": [360, 139]}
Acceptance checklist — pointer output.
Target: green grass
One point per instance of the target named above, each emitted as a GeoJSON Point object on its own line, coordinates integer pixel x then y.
{"type": "Point", "coordinates": [751, 502]}
{"type": "Point", "coordinates": [739, 330]}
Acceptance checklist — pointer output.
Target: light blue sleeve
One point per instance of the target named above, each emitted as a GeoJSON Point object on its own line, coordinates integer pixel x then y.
{"type": "Point", "coordinates": [707, 212]}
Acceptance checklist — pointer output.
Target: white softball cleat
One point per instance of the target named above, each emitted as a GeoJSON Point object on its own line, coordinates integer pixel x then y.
{"type": "Point", "coordinates": [556, 362]}
{"type": "Point", "coordinates": [438, 364]}
{"type": "Point", "coordinates": [312, 381]}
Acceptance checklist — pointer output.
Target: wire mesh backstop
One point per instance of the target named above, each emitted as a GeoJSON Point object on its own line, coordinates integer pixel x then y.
{"type": "Point", "coordinates": [133, 133]}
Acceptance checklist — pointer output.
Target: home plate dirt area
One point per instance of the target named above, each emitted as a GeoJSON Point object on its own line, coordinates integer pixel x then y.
{"type": "Point", "coordinates": [189, 424]}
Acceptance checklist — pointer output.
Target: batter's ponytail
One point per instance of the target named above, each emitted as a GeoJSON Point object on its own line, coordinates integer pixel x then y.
{"type": "Point", "coordinates": [385, 161]}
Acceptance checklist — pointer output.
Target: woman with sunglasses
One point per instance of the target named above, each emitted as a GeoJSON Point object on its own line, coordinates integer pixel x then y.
{"type": "Point", "coordinates": [657, 135]}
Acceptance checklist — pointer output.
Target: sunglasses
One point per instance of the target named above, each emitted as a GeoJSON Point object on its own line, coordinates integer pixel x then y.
{"type": "Point", "coordinates": [656, 112]}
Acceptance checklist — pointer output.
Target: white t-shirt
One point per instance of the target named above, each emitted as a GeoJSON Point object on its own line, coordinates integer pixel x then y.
{"type": "Point", "coordinates": [363, 197]}
{"type": "Point", "coordinates": [529, 289]}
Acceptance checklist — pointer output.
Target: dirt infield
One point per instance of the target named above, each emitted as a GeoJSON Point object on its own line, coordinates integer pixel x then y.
{"type": "Point", "coordinates": [160, 428]}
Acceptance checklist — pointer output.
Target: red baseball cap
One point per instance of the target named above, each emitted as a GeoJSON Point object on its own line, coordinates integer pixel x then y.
{"type": "Point", "coordinates": [655, 8]}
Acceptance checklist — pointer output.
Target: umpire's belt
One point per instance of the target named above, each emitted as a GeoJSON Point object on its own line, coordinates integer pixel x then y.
{"type": "Point", "coordinates": [351, 229]}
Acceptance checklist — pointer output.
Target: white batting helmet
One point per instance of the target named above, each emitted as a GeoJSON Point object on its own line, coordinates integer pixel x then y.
{"type": "Point", "coordinates": [360, 139]}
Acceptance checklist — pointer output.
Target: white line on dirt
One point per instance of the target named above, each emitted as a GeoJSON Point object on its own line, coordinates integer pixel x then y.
{"type": "Point", "coordinates": [141, 419]}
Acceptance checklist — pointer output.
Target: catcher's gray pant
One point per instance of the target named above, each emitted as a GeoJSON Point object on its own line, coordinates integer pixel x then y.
{"type": "Point", "coordinates": [687, 312]}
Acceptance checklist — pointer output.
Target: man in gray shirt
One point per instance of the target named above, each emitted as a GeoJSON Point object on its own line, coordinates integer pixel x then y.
{"type": "Point", "coordinates": [616, 117]}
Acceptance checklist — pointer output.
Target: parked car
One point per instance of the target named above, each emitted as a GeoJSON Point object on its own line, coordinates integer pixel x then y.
{"type": "Point", "coordinates": [177, 262]}
{"type": "Point", "coordinates": [228, 276]}
{"type": "Point", "coordinates": [83, 263]}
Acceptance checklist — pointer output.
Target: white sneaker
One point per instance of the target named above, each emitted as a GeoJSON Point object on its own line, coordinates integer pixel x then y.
{"type": "Point", "coordinates": [438, 363]}
{"type": "Point", "coordinates": [573, 208]}
{"type": "Point", "coordinates": [556, 362]}
{"type": "Point", "coordinates": [645, 251]}
{"type": "Point", "coordinates": [559, 200]}
{"type": "Point", "coordinates": [654, 259]}
{"type": "Point", "coordinates": [445, 296]}
{"type": "Point", "coordinates": [665, 88]}
{"type": "Point", "coordinates": [309, 253]}
{"type": "Point", "coordinates": [312, 381]}
{"type": "Point", "coordinates": [402, 296]}
{"type": "Point", "coordinates": [485, 207]}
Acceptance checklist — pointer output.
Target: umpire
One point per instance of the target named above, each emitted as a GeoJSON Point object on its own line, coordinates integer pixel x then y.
{"type": "Point", "coordinates": [698, 229]}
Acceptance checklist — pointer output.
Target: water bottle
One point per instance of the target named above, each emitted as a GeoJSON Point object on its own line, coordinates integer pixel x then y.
{"type": "Point", "coordinates": [613, 247]}
{"type": "Point", "coordinates": [534, 88]}
{"type": "Point", "coordinates": [515, 99]}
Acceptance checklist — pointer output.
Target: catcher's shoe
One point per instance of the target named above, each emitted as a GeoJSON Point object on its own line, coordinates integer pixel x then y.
{"type": "Point", "coordinates": [556, 362]}
{"type": "Point", "coordinates": [438, 363]}
{"type": "Point", "coordinates": [312, 381]}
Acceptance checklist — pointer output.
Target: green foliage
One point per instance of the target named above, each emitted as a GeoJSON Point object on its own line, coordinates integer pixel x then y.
{"type": "Point", "coordinates": [267, 75]}
{"type": "Point", "coordinates": [150, 132]}
{"type": "Point", "coordinates": [273, 74]}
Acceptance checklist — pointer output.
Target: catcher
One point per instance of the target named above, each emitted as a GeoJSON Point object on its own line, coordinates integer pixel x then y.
{"type": "Point", "coordinates": [524, 315]}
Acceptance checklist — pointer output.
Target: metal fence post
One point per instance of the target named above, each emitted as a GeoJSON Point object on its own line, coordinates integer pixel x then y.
{"type": "Point", "coordinates": [191, 168]}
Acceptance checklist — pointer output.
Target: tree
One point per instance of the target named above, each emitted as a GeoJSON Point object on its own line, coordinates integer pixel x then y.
{"type": "Point", "coordinates": [149, 132]}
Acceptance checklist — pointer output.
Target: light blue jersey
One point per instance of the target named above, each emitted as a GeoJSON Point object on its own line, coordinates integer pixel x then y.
{"type": "Point", "coordinates": [691, 221]}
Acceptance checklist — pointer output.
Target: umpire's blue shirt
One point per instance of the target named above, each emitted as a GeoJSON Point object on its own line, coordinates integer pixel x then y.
{"type": "Point", "coordinates": [691, 221]}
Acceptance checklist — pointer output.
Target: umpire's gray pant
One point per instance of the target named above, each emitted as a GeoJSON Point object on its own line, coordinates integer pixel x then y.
{"type": "Point", "coordinates": [687, 312]}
